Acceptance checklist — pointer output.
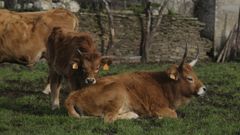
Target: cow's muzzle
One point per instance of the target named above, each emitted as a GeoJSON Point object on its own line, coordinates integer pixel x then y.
{"type": "Point", "coordinates": [202, 90]}
{"type": "Point", "coordinates": [90, 80]}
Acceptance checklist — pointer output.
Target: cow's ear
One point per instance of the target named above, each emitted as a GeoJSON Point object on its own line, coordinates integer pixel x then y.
{"type": "Point", "coordinates": [173, 76]}
{"type": "Point", "coordinates": [106, 62]}
{"type": "Point", "coordinates": [173, 73]}
{"type": "Point", "coordinates": [74, 66]}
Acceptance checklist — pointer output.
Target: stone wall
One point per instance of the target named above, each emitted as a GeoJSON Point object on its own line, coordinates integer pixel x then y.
{"type": "Point", "coordinates": [167, 46]}
{"type": "Point", "coordinates": [183, 7]}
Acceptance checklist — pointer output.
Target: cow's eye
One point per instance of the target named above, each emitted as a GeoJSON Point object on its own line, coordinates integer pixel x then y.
{"type": "Point", "coordinates": [190, 79]}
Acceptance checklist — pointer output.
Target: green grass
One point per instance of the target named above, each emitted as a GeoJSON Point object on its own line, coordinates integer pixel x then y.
{"type": "Point", "coordinates": [25, 110]}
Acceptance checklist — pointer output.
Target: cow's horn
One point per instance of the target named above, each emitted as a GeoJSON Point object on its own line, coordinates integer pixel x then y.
{"type": "Point", "coordinates": [192, 63]}
{"type": "Point", "coordinates": [184, 56]}
{"type": "Point", "coordinates": [80, 52]}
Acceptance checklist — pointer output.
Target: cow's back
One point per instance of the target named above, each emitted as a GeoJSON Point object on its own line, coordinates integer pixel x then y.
{"type": "Point", "coordinates": [55, 18]}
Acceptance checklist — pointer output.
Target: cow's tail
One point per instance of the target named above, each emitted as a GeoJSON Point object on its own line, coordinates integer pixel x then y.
{"type": "Point", "coordinates": [69, 104]}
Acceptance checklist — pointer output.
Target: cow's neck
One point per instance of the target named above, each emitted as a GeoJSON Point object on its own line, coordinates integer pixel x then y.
{"type": "Point", "coordinates": [171, 90]}
{"type": "Point", "coordinates": [178, 99]}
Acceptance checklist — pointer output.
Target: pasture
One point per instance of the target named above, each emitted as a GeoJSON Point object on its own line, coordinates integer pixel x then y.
{"type": "Point", "coordinates": [25, 110]}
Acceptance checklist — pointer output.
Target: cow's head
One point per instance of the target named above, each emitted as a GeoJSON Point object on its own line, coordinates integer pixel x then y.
{"type": "Point", "coordinates": [87, 64]}
{"type": "Point", "coordinates": [185, 78]}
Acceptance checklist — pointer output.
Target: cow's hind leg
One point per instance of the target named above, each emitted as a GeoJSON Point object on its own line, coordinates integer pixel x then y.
{"type": "Point", "coordinates": [111, 110]}
{"type": "Point", "coordinates": [110, 116]}
{"type": "Point", "coordinates": [47, 89]}
{"type": "Point", "coordinates": [165, 112]}
{"type": "Point", "coordinates": [55, 84]}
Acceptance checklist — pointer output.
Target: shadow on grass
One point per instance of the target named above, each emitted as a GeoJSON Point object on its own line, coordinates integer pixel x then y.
{"type": "Point", "coordinates": [29, 102]}
{"type": "Point", "coordinates": [107, 131]}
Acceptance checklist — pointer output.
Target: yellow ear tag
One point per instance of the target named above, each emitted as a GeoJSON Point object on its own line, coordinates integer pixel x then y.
{"type": "Point", "coordinates": [172, 77]}
{"type": "Point", "coordinates": [74, 66]}
{"type": "Point", "coordinates": [105, 67]}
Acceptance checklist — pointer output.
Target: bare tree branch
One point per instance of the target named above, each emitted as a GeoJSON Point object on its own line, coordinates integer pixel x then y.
{"type": "Point", "coordinates": [160, 15]}
{"type": "Point", "coordinates": [150, 31]}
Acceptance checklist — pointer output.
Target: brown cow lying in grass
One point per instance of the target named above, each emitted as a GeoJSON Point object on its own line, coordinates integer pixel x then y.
{"type": "Point", "coordinates": [127, 96]}
{"type": "Point", "coordinates": [71, 55]}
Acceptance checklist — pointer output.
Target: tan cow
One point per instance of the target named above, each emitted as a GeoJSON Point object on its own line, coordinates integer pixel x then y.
{"type": "Point", "coordinates": [23, 36]}
{"type": "Point", "coordinates": [71, 55]}
{"type": "Point", "coordinates": [130, 95]}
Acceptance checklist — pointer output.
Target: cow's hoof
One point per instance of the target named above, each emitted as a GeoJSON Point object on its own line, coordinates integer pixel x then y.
{"type": "Point", "coordinates": [47, 90]}
{"type": "Point", "coordinates": [54, 107]}
{"type": "Point", "coordinates": [74, 115]}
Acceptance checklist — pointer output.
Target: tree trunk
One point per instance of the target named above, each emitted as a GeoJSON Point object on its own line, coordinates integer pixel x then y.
{"type": "Point", "coordinates": [111, 28]}
{"type": "Point", "coordinates": [148, 33]}
{"type": "Point", "coordinates": [97, 8]}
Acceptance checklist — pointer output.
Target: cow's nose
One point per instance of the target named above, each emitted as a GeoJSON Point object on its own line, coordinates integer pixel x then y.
{"type": "Point", "coordinates": [90, 80]}
{"type": "Point", "coordinates": [201, 91]}
{"type": "Point", "coordinates": [204, 88]}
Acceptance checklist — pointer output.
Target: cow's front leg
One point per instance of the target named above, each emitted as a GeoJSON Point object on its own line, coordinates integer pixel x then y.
{"type": "Point", "coordinates": [165, 112]}
{"type": "Point", "coordinates": [47, 89]}
{"type": "Point", "coordinates": [55, 84]}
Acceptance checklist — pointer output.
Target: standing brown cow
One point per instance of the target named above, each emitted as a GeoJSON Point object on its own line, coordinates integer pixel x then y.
{"type": "Point", "coordinates": [71, 55]}
{"type": "Point", "coordinates": [127, 96]}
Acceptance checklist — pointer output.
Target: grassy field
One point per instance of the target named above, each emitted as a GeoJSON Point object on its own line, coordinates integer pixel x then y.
{"type": "Point", "coordinates": [25, 110]}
